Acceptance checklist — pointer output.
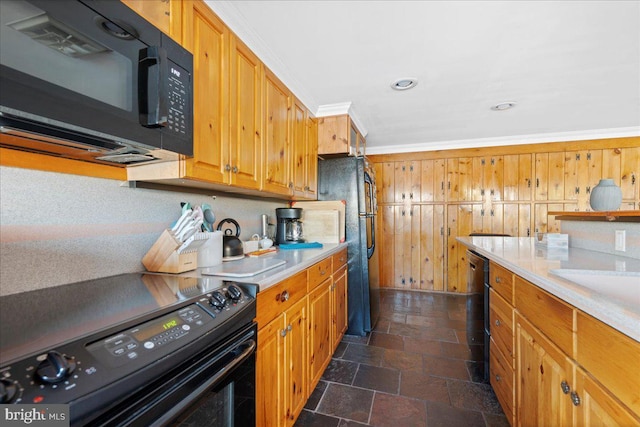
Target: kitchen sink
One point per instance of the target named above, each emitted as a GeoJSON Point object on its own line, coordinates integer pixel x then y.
{"type": "Point", "coordinates": [623, 285]}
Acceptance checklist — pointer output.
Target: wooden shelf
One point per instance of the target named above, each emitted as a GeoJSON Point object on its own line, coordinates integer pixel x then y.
{"type": "Point", "coordinates": [621, 216]}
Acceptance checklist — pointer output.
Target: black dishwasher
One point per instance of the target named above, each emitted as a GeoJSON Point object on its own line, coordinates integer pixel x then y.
{"type": "Point", "coordinates": [478, 282]}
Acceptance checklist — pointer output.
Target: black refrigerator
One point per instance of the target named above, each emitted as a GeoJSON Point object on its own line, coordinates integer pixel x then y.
{"type": "Point", "coordinates": [352, 179]}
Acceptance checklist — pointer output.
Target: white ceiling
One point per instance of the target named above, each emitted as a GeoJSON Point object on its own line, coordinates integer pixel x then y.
{"type": "Point", "coordinates": [573, 67]}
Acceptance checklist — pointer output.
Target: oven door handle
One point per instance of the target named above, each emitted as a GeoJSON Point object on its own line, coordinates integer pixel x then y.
{"type": "Point", "coordinates": [248, 349]}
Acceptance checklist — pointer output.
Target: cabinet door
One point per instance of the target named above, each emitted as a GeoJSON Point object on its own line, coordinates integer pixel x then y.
{"type": "Point", "coordinates": [296, 361]}
{"type": "Point", "coordinates": [320, 346]}
{"type": "Point", "coordinates": [432, 178]}
{"type": "Point", "coordinates": [387, 240]}
{"type": "Point", "coordinates": [516, 184]}
{"type": "Point", "coordinates": [245, 109]}
{"type": "Point", "coordinates": [385, 182]}
{"type": "Point", "coordinates": [208, 39]}
{"type": "Point", "coordinates": [549, 174]}
{"type": "Point", "coordinates": [311, 188]}
{"type": "Point", "coordinates": [163, 14]}
{"type": "Point", "coordinates": [542, 372]}
{"type": "Point", "coordinates": [630, 173]}
{"type": "Point", "coordinates": [271, 374]}
{"type": "Point", "coordinates": [276, 156]}
{"type": "Point", "coordinates": [339, 311]}
{"type": "Point", "coordinates": [299, 148]}
{"type": "Point", "coordinates": [597, 407]}
{"type": "Point", "coordinates": [406, 248]}
{"type": "Point", "coordinates": [431, 247]}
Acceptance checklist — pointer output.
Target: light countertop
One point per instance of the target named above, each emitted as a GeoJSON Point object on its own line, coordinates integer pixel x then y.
{"type": "Point", "coordinates": [605, 286]}
{"type": "Point", "coordinates": [295, 261]}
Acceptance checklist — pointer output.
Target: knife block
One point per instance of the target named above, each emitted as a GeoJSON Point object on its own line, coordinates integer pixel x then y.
{"type": "Point", "coordinates": [163, 257]}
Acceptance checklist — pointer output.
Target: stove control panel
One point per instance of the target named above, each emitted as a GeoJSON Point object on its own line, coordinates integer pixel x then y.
{"type": "Point", "coordinates": [152, 336]}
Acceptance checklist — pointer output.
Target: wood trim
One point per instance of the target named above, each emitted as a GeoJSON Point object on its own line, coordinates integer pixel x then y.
{"type": "Point", "coordinates": [26, 160]}
{"type": "Point", "coordinates": [548, 147]}
{"type": "Point", "coordinates": [622, 216]}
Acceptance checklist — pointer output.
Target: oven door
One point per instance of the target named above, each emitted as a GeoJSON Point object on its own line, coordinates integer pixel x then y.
{"type": "Point", "coordinates": [67, 68]}
{"type": "Point", "coordinates": [215, 388]}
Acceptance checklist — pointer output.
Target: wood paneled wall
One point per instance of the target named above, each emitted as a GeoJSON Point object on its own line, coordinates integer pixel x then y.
{"type": "Point", "coordinates": [427, 199]}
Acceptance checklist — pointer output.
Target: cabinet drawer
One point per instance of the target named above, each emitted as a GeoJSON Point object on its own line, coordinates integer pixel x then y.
{"type": "Point", "coordinates": [339, 259]}
{"type": "Point", "coordinates": [501, 325]}
{"type": "Point", "coordinates": [501, 280]}
{"type": "Point", "coordinates": [611, 357]}
{"type": "Point", "coordinates": [319, 272]}
{"type": "Point", "coordinates": [501, 378]}
{"type": "Point", "coordinates": [546, 312]}
{"type": "Point", "coordinates": [279, 297]}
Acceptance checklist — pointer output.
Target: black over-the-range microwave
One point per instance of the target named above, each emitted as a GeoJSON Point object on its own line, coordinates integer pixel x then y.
{"type": "Point", "coordinates": [92, 80]}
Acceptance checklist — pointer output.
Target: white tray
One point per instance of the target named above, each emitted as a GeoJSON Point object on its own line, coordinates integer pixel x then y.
{"type": "Point", "coordinates": [243, 268]}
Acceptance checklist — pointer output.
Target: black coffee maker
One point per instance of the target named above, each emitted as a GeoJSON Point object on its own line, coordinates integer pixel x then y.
{"type": "Point", "coordinates": [288, 226]}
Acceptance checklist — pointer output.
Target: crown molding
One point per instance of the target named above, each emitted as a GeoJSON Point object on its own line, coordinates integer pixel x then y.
{"type": "Point", "coordinates": [340, 109]}
{"type": "Point", "coordinates": [507, 140]}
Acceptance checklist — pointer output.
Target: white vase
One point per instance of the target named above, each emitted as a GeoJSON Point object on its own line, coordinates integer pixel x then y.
{"type": "Point", "coordinates": [606, 196]}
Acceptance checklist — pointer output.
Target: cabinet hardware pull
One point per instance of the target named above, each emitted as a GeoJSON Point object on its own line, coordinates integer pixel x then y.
{"type": "Point", "coordinates": [498, 378]}
{"type": "Point", "coordinates": [481, 212]}
{"type": "Point", "coordinates": [565, 387]}
{"type": "Point", "coordinates": [528, 183]}
{"type": "Point", "coordinates": [402, 196]}
{"type": "Point", "coordinates": [577, 156]}
{"type": "Point", "coordinates": [442, 184]}
{"type": "Point", "coordinates": [283, 333]}
{"type": "Point", "coordinates": [227, 167]}
{"type": "Point", "coordinates": [493, 161]}
{"type": "Point", "coordinates": [633, 179]}
{"type": "Point", "coordinates": [588, 156]}
{"type": "Point", "coordinates": [577, 190]}
{"type": "Point", "coordinates": [411, 196]}
{"type": "Point", "coordinates": [537, 182]}
{"type": "Point", "coordinates": [575, 398]}
{"type": "Point", "coordinates": [497, 280]}
{"type": "Point", "coordinates": [492, 192]}
{"type": "Point", "coordinates": [482, 192]}
{"type": "Point", "coordinates": [323, 272]}
{"type": "Point", "coordinates": [449, 185]}
{"type": "Point", "coordinates": [497, 322]}
{"type": "Point", "coordinates": [289, 327]}
{"type": "Point", "coordinates": [284, 297]}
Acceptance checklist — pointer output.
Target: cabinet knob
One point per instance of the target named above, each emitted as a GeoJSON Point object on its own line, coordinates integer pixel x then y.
{"type": "Point", "coordinates": [227, 167]}
{"type": "Point", "coordinates": [498, 378]}
{"type": "Point", "coordinates": [283, 333]}
{"type": "Point", "coordinates": [323, 272]}
{"type": "Point", "coordinates": [284, 296]}
{"type": "Point", "coordinates": [234, 169]}
{"type": "Point", "coordinates": [565, 387]}
{"type": "Point", "coordinates": [497, 322]}
{"type": "Point", "coordinates": [575, 399]}
{"type": "Point", "coordinates": [289, 327]}
{"type": "Point", "coordinates": [497, 280]}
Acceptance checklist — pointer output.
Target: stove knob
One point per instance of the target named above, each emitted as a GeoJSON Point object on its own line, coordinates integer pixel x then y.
{"type": "Point", "coordinates": [234, 293]}
{"type": "Point", "coordinates": [218, 300]}
{"type": "Point", "coordinates": [55, 368]}
{"type": "Point", "coordinates": [8, 390]}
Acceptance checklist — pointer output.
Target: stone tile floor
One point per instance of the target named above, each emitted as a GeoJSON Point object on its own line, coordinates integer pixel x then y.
{"type": "Point", "coordinates": [421, 366]}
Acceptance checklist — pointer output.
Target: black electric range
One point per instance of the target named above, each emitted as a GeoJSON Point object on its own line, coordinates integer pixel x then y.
{"type": "Point", "coordinates": [94, 344]}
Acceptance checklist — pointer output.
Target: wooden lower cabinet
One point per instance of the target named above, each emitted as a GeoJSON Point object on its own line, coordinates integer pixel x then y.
{"type": "Point", "coordinates": [282, 355]}
{"type": "Point", "coordinates": [553, 365]}
{"type": "Point", "coordinates": [542, 372]}
{"type": "Point", "coordinates": [339, 320]}
{"type": "Point", "coordinates": [300, 321]}
{"type": "Point", "coordinates": [320, 345]}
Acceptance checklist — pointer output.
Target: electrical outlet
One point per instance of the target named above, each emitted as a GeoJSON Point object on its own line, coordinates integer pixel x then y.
{"type": "Point", "coordinates": [621, 240]}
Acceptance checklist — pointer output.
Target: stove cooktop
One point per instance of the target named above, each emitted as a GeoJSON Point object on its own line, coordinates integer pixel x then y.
{"type": "Point", "coordinates": [45, 318]}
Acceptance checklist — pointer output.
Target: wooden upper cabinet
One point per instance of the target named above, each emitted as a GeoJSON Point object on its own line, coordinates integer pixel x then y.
{"type": "Point", "coordinates": [407, 181]}
{"type": "Point", "coordinates": [244, 164]}
{"type": "Point", "coordinates": [338, 135]}
{"type": "Point", "coordinates": [277, 146]}
{"type": "Point", "coordinates": [209, 42]}
{"type": "Point", "coordinates": [311, 187]}
{"type": "Point", "coordinates": [163, 14]}
{"type": "Point", "coordinates": [432, 177]}
{"type": "Point", "coordinates": [299, 147]}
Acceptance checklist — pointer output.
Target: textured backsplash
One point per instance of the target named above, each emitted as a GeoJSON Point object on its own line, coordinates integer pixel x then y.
{"type": "Point", "coordinates": [57, 228]}
{"type": "Point", "coordinates": [599, 236]}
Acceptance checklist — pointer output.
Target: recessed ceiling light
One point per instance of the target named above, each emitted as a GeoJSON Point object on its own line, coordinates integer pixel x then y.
{"type": "Point", "coordinates": [404, 83]}
{"type": "Point", "coordinates": [503, 106]}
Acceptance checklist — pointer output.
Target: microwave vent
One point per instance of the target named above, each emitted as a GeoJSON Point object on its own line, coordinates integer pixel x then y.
{"type": "Point", "coordinates": [57, 36]}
